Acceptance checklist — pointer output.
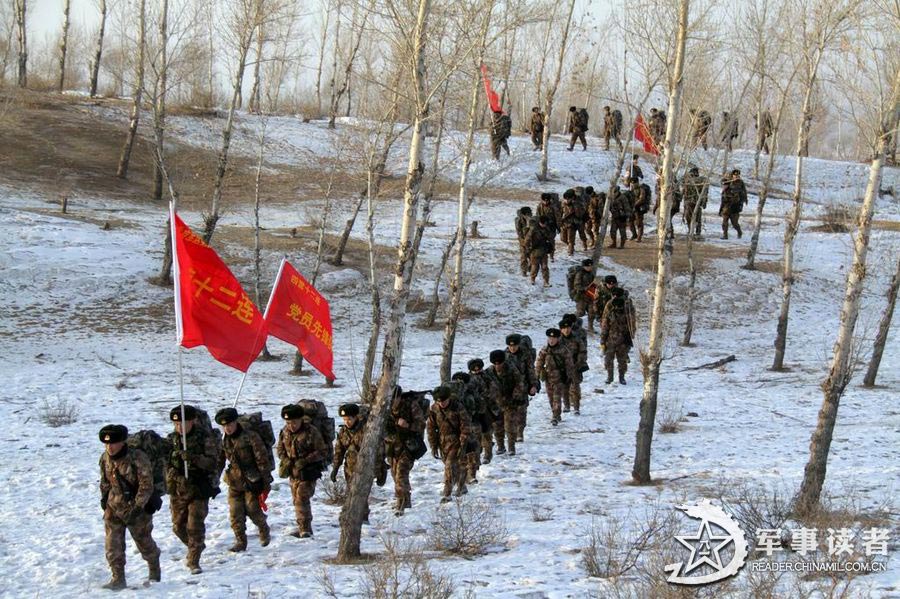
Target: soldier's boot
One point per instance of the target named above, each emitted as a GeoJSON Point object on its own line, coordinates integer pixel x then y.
{"type": "Point", "coordinates": [240, 543]}
{"type": "Point", "coordinates": [488, 454]}
{"type": "Point", "coordinates": [399, 505]}
{"type": "Point", "coordinates": [265, 535]}
{"type": "Point", "coordinates": [461, 489]}
{"type": "Point", "coordinates": [445, 495]}
{"type": "Point", "coordinates": [511, 443]}
{"type": "Point", "coordinates": [154, 574]}
{"type": "Point", "coordinates": [621, 377]}
{"type": "Point", "coordinates": [117, 581]}
{"type": "Point", "coordinates": [576, 407]}
{"type": "Point", "coordinates": [306, 529]}
{"type": "Point", "coordinates": [609, 376]}
{"type": "Point", "coordinates": [622, 242]}
{"type": "Point", "coordinates": [193, 562]}
{"type": "Point", "coordinates": [739, 231]}
{"type": "Point", "coordinates": [566, 406]}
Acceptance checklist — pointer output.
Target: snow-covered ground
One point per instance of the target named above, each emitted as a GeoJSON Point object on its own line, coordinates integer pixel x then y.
{"type": "Point", "coordinates": [83, 326]}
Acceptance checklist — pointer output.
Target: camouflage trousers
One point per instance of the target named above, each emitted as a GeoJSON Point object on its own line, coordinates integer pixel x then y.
{"type": "Point", "coordinates": [141, 530]}
{"type": "Point", "coordinates": [487, 444]}
{"type": "Point", "coordinates": [733, 219]}
{"type": "Point", "coordinates": [571, 396]}
{"type": "Point", "coordinates": [497, 145]}
{"type": "Point", "coordinates": [473, 458]}
{"type": "Point", "coordinates": [454, 472]}
{"type": "Point", "coordinates": [401, 466]}
{"type": "Point", "coordinates": [617, 226]}
{"type": "Point", "coordinates": [242, 505]}
{"type": "Point", "coordinates": [618, 353]}
{"type": "Point", "coordinates": [506, 429]}
{"type": "Point", "coordinates": [537, 138]}
{"type": "Point", "coordinates": [578, 135]}
{"type": "Point", "coordinates": [582, 305]}
{"type": "Point", "coordinates": [636, 224]}
{"type": "Point", "coordinates": [189, 524]}
{"type": "Point", "coordinates": [607, 134]}
{"type": "Point", "coordinates": [539, 263]}
{"type": "Point", "coordinates": [523, 257]}
{"type": "Point", "coordinates": [301, 493]}
{"type": "Point", "coordinates": [689, 217]}
{"type": "Point", "coordinates": [570, 232]}
{"type": "Point", "coordinates": [521, 421]}
{"type": "Point", "coordinates": [555, 395]}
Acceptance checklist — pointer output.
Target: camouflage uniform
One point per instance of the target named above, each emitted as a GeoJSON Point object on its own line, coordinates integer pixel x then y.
{"type": "Point", "coordinates": [701, 122]}
{"type": "Point", "coordinates": [397, 445]}
{"type": "Point", "coordinates": [556, 368]}
{"type": "Point", "coordinates": [734, 198]}
{"type": "Point", "coordinates": [675, 190]}
{"type": "Point", "coordinates": [506, 389]}
{"type": "Point", "coordinates": [538, 242]}
{"type": "Point", "coordinates": [595, 310]}
{"type": "Point", "coordinates": [729, 130]}
{"type": "Point", "coordinates": [465, 392]}
{"type": "Point", "coordinates": [596, 201]}
{"type": "Point", "coordinates": [641, 197]}
{"type": "Point", "coordinates": [573, 223]}
{"type": "Point", "coordinates": [657, 126]}
{"type": "Point", "coordinates": [617, 329]}
{"type": "Point", "coordinates": [248, 466]}
{"type": "Point", "coordinates": [584, 278]}
{"type": "Point", "coordinates": [523, 223]}
{"type": "Point", "coordinates": [501, 128]}
{"type": "Point", "coordinates": [491, 414]}
{"type": "Point", "coordinates": [525, 367]}
{"type": "Point", "coordinates": [537, 129]}
{"type": "Point", "coordinates": [695, 191]}
{"type": "Point", "coordinates": [301, 456]}
{"type": "Point", "coordinates": [764, 132]}
{"type": "Point", "coordinates": [189, 497]}
{"type": "Point", "coordinates": [571, 391]}
{"type": "Point", "coordinates": [611, 127]}
{"type": "Point", "coordinates": [620, 209]}
{"type": "Point", "coordinates": [346, 451]}
{"type": "Point", "coordinates": [577, 127]}
{"type": "Point", "coordinates": [126, 484]}
{"type": "Point", "coordinates": [448, 430]}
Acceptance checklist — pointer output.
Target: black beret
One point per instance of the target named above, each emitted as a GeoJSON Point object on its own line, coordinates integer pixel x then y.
{"type": "Point", "coordinates": [348, 409]}
{"type": "Point", "coordinates": [441, 392]}
{"type": "Point", "coordinates": [498, 356]}
{"type": "Point", "coordinates": [475, 363]}
{"type": "Point", "coordinates": [570, 193]}
{"type": "Point", "coordinates": [551, 332]}
{"type": "Point", "coordinates": [513, 339]}
{"type": "Point", "coordinates": [292, 412]}
{"type": "Point", "coordinates": [587, 262]}
{"type": "Point", "coordinates": [461, 376]}
{"type": "Point", "coordinates": [113, 433]}
{"type": "Point", "coordinates": [589, 190]}
{"type": "Point", "coordinates": [190, 412]}
{"type": "Point", "coordinates": [610, 279]}
{"type": "Point", "coordinates": [226, 416]}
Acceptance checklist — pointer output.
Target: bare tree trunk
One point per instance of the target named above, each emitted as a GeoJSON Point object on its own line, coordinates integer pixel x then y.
{"type": "Point", "coordinates": [842, 362]}
{"type": "Point", "coordinates": [256, 92]}
{"type": "Point", "coordinates": [551, 93]}
{"type": "Point", "coordinates": [212, 218]}
{"type": "Point", "coordinates": [322, 57]}
{"type": "Point", "coordinates": [98, 50]}
{"type": "Point", "coordinates": [652, 358]}
{"type": "Point", "coordinates": [375, 333]}
{"type": "Point", "coordinates": [338, 258]}
{"type": "Point", "coordinates": [64, 47]}
{"type": "Point", "coordinates": [392, 356]}
{"type": "Point", "coordinates": [539, 83]}
{"type": "Point", "coordinates": [334, 57]}
{"type": "Point", "coordinates": [257, 187]}
{"type": "Point", "coordinates": [21, 7]}
{"type": "Point", "coordinates": [884, 327]}
{"type": "Point", "coordinates": [125, 157]}
{"type": "Point", "coordinates": [348, 68]}
{"type": "Point", "coordinates": [435, 298]}
{"type": "Point", "coordinates": [159, 114]}
{"type": "Point", "coordinates": [164, 278]}
{"type": "Point", "coordinates": [211, 65]}
{"type": "Point", "coordinates": [692, 287]}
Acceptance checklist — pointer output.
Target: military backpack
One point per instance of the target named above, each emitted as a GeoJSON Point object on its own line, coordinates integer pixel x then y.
{"type": "Point", "coordinates": [322, 422]}
{"type": "Point", "coordinates": [570, 281]}
{"type": "Point", "coordinates": [254, 422]}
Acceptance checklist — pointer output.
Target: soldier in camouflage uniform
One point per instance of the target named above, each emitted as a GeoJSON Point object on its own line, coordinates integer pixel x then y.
{"type": "Point", "coordinates": [249, 475]}
{"type": "Point", "coordinates": [617, 329]}
{"type": "Point", "coordinates": [595, 206]}
{"type": "Point", "coordinates": [734, 198]}
{"type": "Point", "coordinates": [657, 126]}
{"type": "Point", "coordinates": [701, 122]}
{"type": "Point", "coordinates": [448, 433]}
{"type": "Point", "coordinates": [465, 391]}
{"type": "Point", "coordinates": [634, 169]}
{"type": "Point", "coordinates": [301, 454]}
{"type": "Point", "coordinates": [577, 127]}
{"type": "Point", "coordinates": [573, 214]}
{"type": "Point", "coordinates": [765, 128]}
{"type": "Point", "coordinates": [523, 222]}
{"type": "Point", "coordinates": [501, 129]}
{"type": "Point", "coordinates": [729, 130]}
{"type": "Point", "coordinates": [640, 194]}
{"type": "Point", "coordinates": [347, 445]}
{"type": "Point", "coordinates": [506, 389]}
{"type": "Point", "coordinates": [695, 192]}
{"type": "Point", "coordinates": [538, 242]}
{"type": "Point", "coordinates": [603, 295]}
{"type": "Point", "coordinates": [612, 127]}
{"type": "Point", "coordinates": [405, 428]}
{"type": "Point", "coordinates": [537, 128]}
{"type": "Point", "coordinates": [620, 210]}
{"type": "Point", "coordinates": [550, 207]}
{"type": "Point", "coordinates": [556, 368]}
{"type": "Point", "coordinates": [675, 190]}
{"type": "Point", "coordinates": [189, 496]}
{"type": "Point", "coordinates": [576, 346]}
{"type": "Point", "coordinates": [584, 278]}
{"type": "Point", "coordinates": [126, 487]}
{"type": "Point", "coordinates": [516, 357]}
{"type": "Point", "coordinates": [491, 410]}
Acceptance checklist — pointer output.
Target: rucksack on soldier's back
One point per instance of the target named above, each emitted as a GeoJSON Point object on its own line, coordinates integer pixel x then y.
{"type": "Point", "coordinates": [617, 118]}
{"type": "Point", "coordinates": [254, 422]}
{"type": "Point", "coordinates": [323, 423]}
{"type": "Point", "coordinates": [570, 281]}
{"type": "Point", "coordinates": [157, 449]}
{"type": "Point", "coordinates": [203, 421]}
{"type": "Point", "coordinates": [583, 117]}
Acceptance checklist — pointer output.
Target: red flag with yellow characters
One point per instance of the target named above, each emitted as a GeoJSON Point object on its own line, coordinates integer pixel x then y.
{"type": "Point", "coordinates": [211, 307]}
{"type": "Point", "coordinates": [299, 315]}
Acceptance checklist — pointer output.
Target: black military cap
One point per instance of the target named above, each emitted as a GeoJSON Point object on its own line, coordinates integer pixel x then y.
{"type": "Point", "coordinates": [570, 193]}
{"type": "Point", "coordinates": [695, 170]}
{"type": "Point", "coordinates": [461, 376]}
{"type": "Point", "coordinates": [635, 157]}
{"type": "Point", "coordinates": [633, 180]}
{"type": "Point", "coordinates": [513, 339]}
{"type": "Point", "coordinates": [553, 332]}
{"type": "Point", "coordinates": [546, 196]}
{"type": "Point", "coordinates": [611, 279]}
{"type": "Point", "coordinates": [226, 416]}
{"type": "Point", "coordinates": [498, 356]}
{"type": "Point", "coordinates": [587, 262]}
{"type": "Point", "coordinates": [570, 317]}
{"type": "Point", "coordinates": [606, 108]}
{"type": "Point", "coordinates": [526, 209]}
{"type": "Point", "coordinates": [190, 412]}
{"type": "Point", "coordinates": [618, 292]}
{"type": "Point", "coordinates": [565, 324]}
{"type": "Point", "coordinates": [113, 433]}
{"type": "Point", "coordinates": [589, 190]}
{"type": "Point", "coordinates": [534, 109]}
{"type": "Point", "coordinates": [349, 409]}
{"type": "Point", "coordinates": [475, 363]}
{"type": "Point", "coordinates": [736, 171]}
{"type": "Point", "coordinates": [571, 109]}
{"type": "Point", "coordinates": [441, 392]}
{"type": "Point", "coordinates": [292, 412]}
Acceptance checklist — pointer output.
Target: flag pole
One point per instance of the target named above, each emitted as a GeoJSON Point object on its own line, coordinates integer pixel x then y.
{"type": "Point", "coordinates": [265, 314]}
{"type": "Point", "coordinates": [179, 331]}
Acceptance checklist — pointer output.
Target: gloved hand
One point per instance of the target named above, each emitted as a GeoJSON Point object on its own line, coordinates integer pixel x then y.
{"type": "Point", "coordinates": [103, 503]}
{"type": "Point", "coordinates": [334, 473]}
{"type": "Point", "coordinates": [135, 513]}
{"type": "Point", "coordinates": [603, 348]}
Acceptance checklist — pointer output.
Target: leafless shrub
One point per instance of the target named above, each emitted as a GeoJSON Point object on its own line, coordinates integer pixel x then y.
{"type": "Point", "coordinates": [837, 218]}
{"type": "Point", "coordinates": [540, 512]}
{"type": "Point", "coordinates": [58, 412]}
{"type": "Point", "coordinates": [755, 506]}
{"type": "Point", "coordinates": [335, 492]}
{"type": "Point", "coordinates": [402, 572]}
{"type": "Point", "coordinates": [468, 527]}
{"type": "Point", "coordinates": [313, 216]}
{"type": "Point", "coordinates": [670, 417]}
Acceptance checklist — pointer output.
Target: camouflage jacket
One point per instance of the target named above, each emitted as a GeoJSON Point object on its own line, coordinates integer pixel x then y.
{"type": "Point", "coordinates": [501, 128]}
{"type": "Point", "coordinates": [729, 129]}
{"type": "Point", "coordinates": [472, 402]}
{"type": "Point", "coordinates": [675, 190]}
{"type": "Point", "coordinates": [596, 206]}
{"type": "Point", "coordinates": [537, 122]}
{"type": "Point", "coordinates": [481, 386]}
{"type": "Point", "coordinates": [555, 365]}
{"type": "Point", "coordinates": [620, 204]}
{"type": "Point", "coordinates": [618, 324]}
{"type": "Point", "coordinates": [610, 124]}
{"type": "Point", "coordinates": [248, 459]}
{"type": "Point", "coordinates": [538, 241]}
{"type": "Point", "coordinates": [126, 482]}
{"type": "Point", "coordinates": [572, 213]}
{"type": "Point", "coordinates": [203, 458]}
{"type": "Point", "coordinates": [767, 125]}
{"type": "Point", "coordinates": [702, 122]}
{"type": "Point", "coordinates": [525, 367]}
{"type": "Point", "coordinates": [448, 428]}
{"type": "Point", "coordinates": [409, 411]}
{"type": "Point", "coordinates": [523, 223]}
{"type": "Point", "coordinates": [577, 347]}
{"type": "Point", "coordinates": [549, 210]}
{"type": "Point", "coordinates": [583, 280]}
{"type": "Point", "coordinates": [695, 188]}
{"type": "Point", "coordinates": [347, 445]}
{"type": "Point", "coordinates": [603, 296]}
{"type": "Point", "coordinates": [506, 388]}
{"type": "Point", "coordinates": [298, 450]}
{"type": "Point", "coordinates": [734, 197]}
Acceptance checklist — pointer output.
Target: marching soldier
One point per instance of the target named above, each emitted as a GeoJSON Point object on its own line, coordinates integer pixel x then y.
{"type": "Point", "coordinates": [734, 198]}
{"type": "Point", "coordinates": [641, 205]}
{"type": "Point", "coordinates": [612, 126]}
{"type": "Point", "coordinates": [634, 170]}
{"type": "Point", "coordinates": [765, 128]}
{"type": "Point", "coordinates": [301, 454]}
{"type": "Point", "coordinates": [189, 496]}
{"type": "Point", "coordinates": [537, 128]}
{"type": "Point", "coordinates": [620, 209]}
{"type": "Point", "coordinates": [617, 329]}
{"type": "Point", "coordinates": [537, 243]}
{"type": "Point", "coordinates": [556, 368]}
{"type": "Point", "coordinates": [551, 208]}
{"type": "Point", "coordinates": [696, 192]}
{"type": "Point", "coordinates": [573, 220]}
{"type": "Point", "coordinates": [492, 411]}
{"type": "Point", "coordinates": [578, 126]}
{"type": "Point", "coordinates": [523, 222]}
{"type": "Point", "coordinates": [347, 446]}
{"type": "Point", "coordinates": [584, 278]}
{"type": "Point", "coordinates": [596, 201]}
{"type": "Point", "coordinates": [466, 391]}
{"type": "Point", "coordinates": [576, 346]}
{"type": "Point", "coordinates": [404, 444]}
{"type": "Point", "coordinates": [126, 491]}
{"type": "Point", "coordinates": [675, 191]}
{"type": "Point", "coordinates": [501, 129]}
{"type": "Point", "coordinates": [248, 476]}
{"type": "Point", "coordinates": [523, 362]}
{"type": "Point", "coordinates": [701, 121]}
{"type": "Point", "coordinates": [657, 125]}
{"type": "Point", "coordinates": [729, 131]}
{"type": "Point", "coordinates": [505, 389]}
{"type": "Point", "coordinates": [448, 432]}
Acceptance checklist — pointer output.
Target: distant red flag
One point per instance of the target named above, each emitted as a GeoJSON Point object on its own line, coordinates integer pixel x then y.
{"type": "Point", "coordinates": [299, 315]}
{"type": "Point", "coordinates": [642, 134]}
{"type": "Point", "coordinates": [211, 307]}
{"type": "Point", "coordinates": [492, 97]}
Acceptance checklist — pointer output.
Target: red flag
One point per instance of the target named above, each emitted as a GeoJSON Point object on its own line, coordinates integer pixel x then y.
{"type": "Point", "coordinates": [642, 134]}
{"type": "Point", "coordinates": [211, 307]}
{"type": "Point", "coordinates": [492, 97]}
{"type": "Point", "coordinates": [299, 315]}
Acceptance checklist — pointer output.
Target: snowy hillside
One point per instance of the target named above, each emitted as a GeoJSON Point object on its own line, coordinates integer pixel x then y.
{"type": "Point", "coordinates": [82, 326]}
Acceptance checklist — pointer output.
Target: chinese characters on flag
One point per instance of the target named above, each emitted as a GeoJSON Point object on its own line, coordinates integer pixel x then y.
{"type": "Point", "coordinates": [642, 134]}
{"type": "Point", "coordinates": [211, 307]}
{"type": "Point", "coordinates": [299, 315]}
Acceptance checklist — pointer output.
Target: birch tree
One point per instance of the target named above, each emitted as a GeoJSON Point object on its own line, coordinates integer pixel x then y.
{"type": "Point", "coordinates": [160, 89]}
{"type": "Point", "coordinates": [137, 96]}
{"type": "Point", "coordinates": [21, 7]}
{"type": "Point", "coordinates": [551, 93]}
{"type": "Point", "coordinates": [64, 46]}
{"type": "Point", "coordinates": [884, 327]}
{"type": "Point", "coordinates": [98, 49]}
